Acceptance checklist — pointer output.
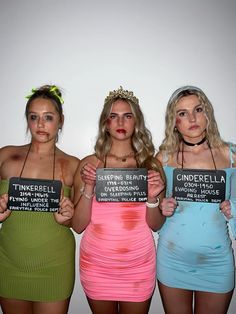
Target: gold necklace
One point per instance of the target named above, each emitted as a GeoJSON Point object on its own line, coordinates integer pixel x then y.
{"type": "Point", "coordinates": [122, 158]}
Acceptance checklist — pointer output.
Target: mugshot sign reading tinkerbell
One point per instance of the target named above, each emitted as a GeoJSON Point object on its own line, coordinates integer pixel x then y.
{"type": "Point", "coordinates": [121, 185]}
{"type": "Point", "coordinates": [198, 185]}
{"type": "Point", "coordinates": [35, 195]}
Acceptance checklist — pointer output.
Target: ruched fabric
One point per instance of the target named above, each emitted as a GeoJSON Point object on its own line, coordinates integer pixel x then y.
{"type": "Point", "coordinates": [117, 253]}
{"type": "Point", "coordinates": [194, 247]}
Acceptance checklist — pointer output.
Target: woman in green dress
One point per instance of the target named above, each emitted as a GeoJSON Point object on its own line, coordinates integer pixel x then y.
{"type": "Point", "coordinates": [37, 249]}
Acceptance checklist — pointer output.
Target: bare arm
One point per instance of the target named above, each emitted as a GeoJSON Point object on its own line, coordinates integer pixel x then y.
{"type": "Point", "coordinates": [66, 209]}
{"type": "Point", "coordinates": [65, 213]}
{"type": "Point", "coordinates": [226, 206]}
{"type": "Point", "coordinates": [156, 192]}
{"type": "Point", "coordinates": [4, 212]}
{"type": "Point", "coordinates": [84, 184]}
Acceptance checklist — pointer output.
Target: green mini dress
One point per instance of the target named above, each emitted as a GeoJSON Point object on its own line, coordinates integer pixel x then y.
{"type": "Point", "coordinates": [37, 256]}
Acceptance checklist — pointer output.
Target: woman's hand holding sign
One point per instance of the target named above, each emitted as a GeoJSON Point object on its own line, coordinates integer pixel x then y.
{"type": "Point", "coordinates": [88, 174]}
{"type": "Point", "coordinates": [4, 212]}
{"type": "Point", "coordinates": [155, 184]}
{"type": "Point", "coordinates": [225, 208]}
{"type": "Point", "coordinates": [168, 206]}
{"type": "Point", "coordinates": [65, 212]}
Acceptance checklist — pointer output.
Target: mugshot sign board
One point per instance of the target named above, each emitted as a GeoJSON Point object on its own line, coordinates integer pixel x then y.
{"type": "Point", "coordinates": [196, 185]}
{"type": "Point", "coordinates": [35, 195]}
{"type": "Point", "coordinates": [121, 185]}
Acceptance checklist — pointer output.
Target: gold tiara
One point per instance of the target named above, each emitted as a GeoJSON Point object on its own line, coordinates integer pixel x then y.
{"type": "Point", "coordinates": [121, 93]}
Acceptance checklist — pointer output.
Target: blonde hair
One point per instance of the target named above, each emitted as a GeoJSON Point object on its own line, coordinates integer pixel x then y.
{"type": "Point", "coordinates": [173, 138]}
{"type": "Point", "coordinates": [141, 139]}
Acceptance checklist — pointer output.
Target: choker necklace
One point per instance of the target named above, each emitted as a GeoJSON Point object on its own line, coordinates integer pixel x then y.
{"type": "Point", "coordinates": [194, 144]}
{"type": "Point", "coordinates": [122, 158]}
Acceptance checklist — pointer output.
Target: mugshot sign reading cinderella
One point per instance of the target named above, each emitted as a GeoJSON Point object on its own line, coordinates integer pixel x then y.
{"type": "Point", "coordinates": [121, 185]}
{"type": "Point", "coordinates": [35, 195]}
{"type": "Point", "coordinates": [196, 185]}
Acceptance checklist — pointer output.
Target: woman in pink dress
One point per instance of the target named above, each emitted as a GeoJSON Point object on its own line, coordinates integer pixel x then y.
{"type": "Point", "coordinates": [117, 251]}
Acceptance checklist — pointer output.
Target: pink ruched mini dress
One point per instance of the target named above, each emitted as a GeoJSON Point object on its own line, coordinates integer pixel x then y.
{"type": "Point", "coordinates": [117, 253]}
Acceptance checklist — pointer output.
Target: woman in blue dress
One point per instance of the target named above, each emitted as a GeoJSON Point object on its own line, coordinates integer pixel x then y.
{"type": "Point", "coordinates": [195, 261]}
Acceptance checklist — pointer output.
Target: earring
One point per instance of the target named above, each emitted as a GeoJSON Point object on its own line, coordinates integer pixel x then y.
{"type": "Point", "coordinates": [175, 129]}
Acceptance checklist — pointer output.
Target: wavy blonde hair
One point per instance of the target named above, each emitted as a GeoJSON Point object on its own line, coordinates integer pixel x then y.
{"type": "Point", "coordinates": [173, 138]}
{"type": "Point", "coordinates": [141, 139]}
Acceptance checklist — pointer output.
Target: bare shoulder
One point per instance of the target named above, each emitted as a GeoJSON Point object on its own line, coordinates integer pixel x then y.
{"type": "Point", "coordinates": [7, 152]}
{"type": "Point", "coordinates": [227, 154]}
{"type": "Point", "coordinates": [92, 159]}
{"type": "Point", "coordinates": [159, 157]}
{"type": "Point", "coordinates": [73, 161]}
{"type": "Point", "coordinates": [164, 158]}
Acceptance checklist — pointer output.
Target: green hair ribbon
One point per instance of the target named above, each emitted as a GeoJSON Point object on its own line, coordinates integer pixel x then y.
{"type": "Point", "coordinates": [33, 90]}
{"type": "Point", "coordinates": [53, 89]}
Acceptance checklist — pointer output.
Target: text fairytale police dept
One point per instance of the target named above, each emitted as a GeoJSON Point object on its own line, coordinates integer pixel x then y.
{"type": "Point", "coordinates": [34, 195]}
{"type": "Point", "coordinates": [199, 185]}
{"type": "Point", "coordinates": [121, 185]}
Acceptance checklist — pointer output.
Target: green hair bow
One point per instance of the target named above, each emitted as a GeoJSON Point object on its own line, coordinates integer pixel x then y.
{"type": "Point", "coordinates": [53, 89]}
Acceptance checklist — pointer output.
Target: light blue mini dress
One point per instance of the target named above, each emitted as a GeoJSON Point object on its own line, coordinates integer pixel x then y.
{"type": "Point", "coordinates": [194, 248]}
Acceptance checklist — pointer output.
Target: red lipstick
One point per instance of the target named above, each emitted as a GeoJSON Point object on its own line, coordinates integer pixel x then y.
{"type": "Point", "coordinates": [123, 131]}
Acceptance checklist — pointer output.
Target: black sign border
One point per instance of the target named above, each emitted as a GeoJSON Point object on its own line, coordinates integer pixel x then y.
{"type": "Point", "coordinates": [118, 170]}
{"type": "Point", "coordinates": [52, 208]}
{"type": "Point", "coordinates": [206, 171]}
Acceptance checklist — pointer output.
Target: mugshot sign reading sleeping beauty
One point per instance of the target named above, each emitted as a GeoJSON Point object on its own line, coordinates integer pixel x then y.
{"type": "Point", "coordinates": [198, 185]}
{"type": "Point", "coordinates": [36, 195]}
{"type": "Point", "coordinates": [121, 185]}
